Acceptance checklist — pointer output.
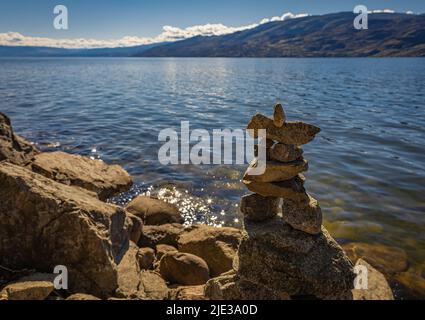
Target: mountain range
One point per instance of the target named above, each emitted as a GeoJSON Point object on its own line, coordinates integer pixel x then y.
{"type": "Point", "coordinates": [330, 35]}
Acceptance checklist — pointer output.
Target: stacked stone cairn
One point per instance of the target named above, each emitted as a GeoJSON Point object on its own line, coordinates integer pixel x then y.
{"type": "Point", "coordinates": [285, 252]}
{"type": "Point", "coordinates": [282, 183]}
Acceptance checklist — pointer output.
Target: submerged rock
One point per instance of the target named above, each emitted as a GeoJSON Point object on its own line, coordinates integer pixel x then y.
{"type": "Point", "coordinates": [154, 212]}
{"type": "Point", "coordinates": [217, 246]}
{"type": "Point", "coordinates": [44, 223]}
{"type": "Point", "coordinates": [184, 268]}
{"type": "Point", "coordinates": [94, 175]}
{"type": "Point", "coordinates": [13, 148]}
{"type": "Point", "coordinates": [388, 260]}
{"type": "Point", "coordinates": [377, 286]}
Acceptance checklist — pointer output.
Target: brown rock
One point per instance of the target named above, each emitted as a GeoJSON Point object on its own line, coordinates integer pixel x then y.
{"type": "Point", "coordinates": [154, 212]}
{"type": "Point", "coordinates": [184, 268]}
{"type": "Point", "coordinates": [163, 234]}
{"type": "Point", "coordinates": [13, 148]}
{"type": "Point", "coordinates": [94, 175]}
{"type": "Point", "coordinates": [128, 274]}
{"type": "Point", "coordinates": [146, 257]}
{"type": "Point", "coordinates": [44, 224]}
{"type": "Point", "coordinates": [187, 293]}
{"type": "Point", "coordinates": [388, 260]}
{"type": "Point", "coordinates": [217, 246]}
{"type": "Point", "coordinates": [258, 208]}
{"type": "Point", "coordinates": [279, 117]}
{"type": "Point", "coordinates": [27, 290]}
{"type": "Point", "coordinates": [377, 286]}
{"type": "Point", "coordinates": [291, 189]}
{"type": "Point", "coordinates": [136, 227]}
{"type": "Point", "coordinates": [154, 285]}
{"type": "Point", "coordinates": [307, 218]}
{"type": "Point", "coordinates": [412, 280]}
{"type": "Point", "coordinates": [285, 153]}
{"type": "Point", "coordinates": [283, 259]}
{"type": "Point", "coordinates": [162, 249]}
{"type": "Point", "coordinates": [296, 133]}
{"type": "Point", "coordinates": [276, 171]}
{"type": "Point", "coordinates": [82, 297]}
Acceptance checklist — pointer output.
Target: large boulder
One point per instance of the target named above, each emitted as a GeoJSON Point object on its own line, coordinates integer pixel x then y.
{"type": "Point", "coordinates": [153, 285]}
{"type": "Point", "coordinates": [44, 223]}
{"type": "Point", "coordinates": [13, 148]}
{"type": "Point", "coordinates": [184, 269]}
{"type": "Point", "coordinates": [154, 212]}
{"type": "Point", "coordinates": [285, 260]}
{"type": "Point", "coordinates": [217, 246]}
{"type": "Point", "coordinates": [388, 260]}
{"type": "Point", "coordinates": [36, 286]}
{"type": "Point", "coordinates": [377, 286]}
{"type": "Point", "coordinates": [163, 234]}
{"type": "Point", "coordinates": [94, 175]}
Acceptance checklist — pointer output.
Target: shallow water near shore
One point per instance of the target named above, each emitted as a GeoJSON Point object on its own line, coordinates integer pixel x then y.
{"type": "Point", "coordinates": [366, 166]}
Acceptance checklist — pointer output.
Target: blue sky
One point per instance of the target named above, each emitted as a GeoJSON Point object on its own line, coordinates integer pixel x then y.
{"type": "Point", "coordinates": [113, 19]}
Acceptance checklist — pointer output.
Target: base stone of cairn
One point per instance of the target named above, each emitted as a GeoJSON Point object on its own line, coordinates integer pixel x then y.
{"type": "Point", "coordinates": [285, 255]}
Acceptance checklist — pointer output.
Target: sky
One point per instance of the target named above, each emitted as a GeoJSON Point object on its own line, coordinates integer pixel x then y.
{"type": "Point", "coordinates": [97, 23]}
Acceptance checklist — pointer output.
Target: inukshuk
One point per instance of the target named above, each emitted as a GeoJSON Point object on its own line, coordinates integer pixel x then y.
{"type": "Point", "coordinates": [282, 179]}
{"type": "Point", "coordinates": [289, 255]}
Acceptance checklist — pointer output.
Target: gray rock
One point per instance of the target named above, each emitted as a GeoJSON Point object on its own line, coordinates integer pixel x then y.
{"type": "Point", "coordinates": [285, 153]}
{"type": "Point", "coordinates": [258, 208]}
{"type": "Point", "coordinates": [307, 218]}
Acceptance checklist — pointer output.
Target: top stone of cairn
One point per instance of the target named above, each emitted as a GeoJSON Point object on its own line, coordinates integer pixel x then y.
{"type": "Point", "coordinates": [278, 129]}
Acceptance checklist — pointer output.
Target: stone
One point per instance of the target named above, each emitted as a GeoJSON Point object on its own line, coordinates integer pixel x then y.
{"type": "Point", "coordinates": [217, 246]}
{"type": "Point", "coordinates": [82, 297]}
{"type": "Point", "coordinates": [154, 212]}
{"type": "Point", "coordinates": [279, 116]}
{"type": "Point", "coordinates": [184, 268]}
{"type": "Point", "coordinates": [74, 170]}
{"type": "Point", "coordinates": [291, 189]}
{"type": "Point", "coordinates": [136, 227]}
{"type": "Point", "coordinates": [13, 148]}
{"type": "Point", "coordinates": [276, 171]}
{"type": "Point", "coordinates": [146, 257]}
{"type": "Point", "coordinates": [377, 286]}
{"type": "Point", "coordinates": [307, 218]}
{"type": "Point", "coordinates": [388, 260]}
{"type": "Point", "coordinates": [296, 133]}
{"type": "Point", "coordinates": [163, 234]}
{"type": "Point", "coordinates": [128, 274]}
{"type": "Point", "coordinates": [27, 290]}
{"type": "Point", "coordinates": [285, 153]}
{"type": "Point", "coordinates": [230, 286]}
{"type": "Point", "coordinates": [187, 293]}
{"type": "Point", "coordinates": [414, 281]}
{"type": "Point", "coordinates": [258, 208]}
{"type": "Point", "coordinates": [154, 285]}
{"type": "Point", "coordinates": [162, 249]}
{"type": "Point", "coordinates": [283, 259]}
{"type": "Point", "coordinates": [44, 223]}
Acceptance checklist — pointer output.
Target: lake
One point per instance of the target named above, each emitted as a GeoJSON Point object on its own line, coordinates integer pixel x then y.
{"type": "Point", "coordinates": [367, 166]}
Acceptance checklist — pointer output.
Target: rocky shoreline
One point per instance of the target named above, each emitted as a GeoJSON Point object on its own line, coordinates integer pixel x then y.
{"type": "Point", "coordinates": [53, 211]}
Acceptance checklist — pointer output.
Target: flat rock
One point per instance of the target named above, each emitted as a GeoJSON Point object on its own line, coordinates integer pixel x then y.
{"type": "Point", "coordinates": [163, 234]}
{"type": "Point", "coordinates": [44, 223]}
{"type": "Point", "coordinates": [154, 212]}
{"type": "Point", "coordinates": [154, 285]}
{"type": "Point", "coordinates": [27, 290]}
{"type": "Point", "coordinates": [283, 259]}
{"type": "Point", "coordinates": [146, 257]}
{"type": "Point", "coordinates": [388, 260]}
{"type": "Point", "coordinates": [13, 148]}
{"type": "Point", "coordinates": [276, 171]}
{"type": "Point", "coordinates": [291, 189]}
{"type": "Point", "coordinates": [285, 153]}
{"type": "Point", "coordinates": [187, 293]}
{"type": "Point", "coordinates": [217, 246]}
{"type": "Point", "coordinates": [162, 249]}
{"type": "Point", "coordinates": [306, 218]}
{"type": "Point", "coordinates": [279, 116]}
{"type": "Point", "coordinates": [94, 175]}
{"type": "Point", "coordinates": [82, 297]}
{"type": "Point", "coordinates": [184, 268]}
{"type": "Point", "coordinates": [258, 208]}
{"type": "Point", "coordinates": [377, 286]}
{"type": "Point", "coordinates": [296, 133]}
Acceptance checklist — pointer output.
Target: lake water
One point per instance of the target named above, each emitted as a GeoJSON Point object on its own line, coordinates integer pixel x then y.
{"type": "Point", "coordinates": [367, 166]}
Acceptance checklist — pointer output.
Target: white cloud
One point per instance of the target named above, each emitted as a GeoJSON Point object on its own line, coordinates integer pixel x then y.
{"type": "Point", "coordinates": [382, 11]}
